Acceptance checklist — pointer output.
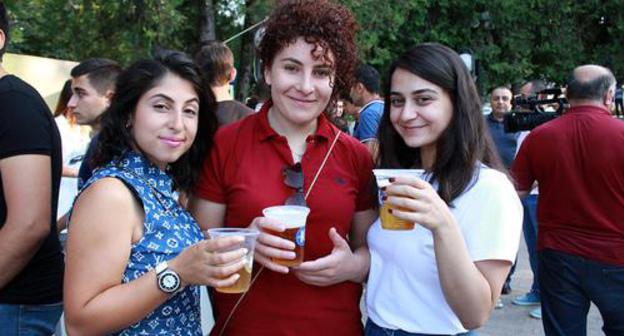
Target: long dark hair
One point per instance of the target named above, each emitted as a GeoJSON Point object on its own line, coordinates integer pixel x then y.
{"type": "Point", "coordinates": [115, 137]}
{"type": "Point", "coordinates": [464, 144]}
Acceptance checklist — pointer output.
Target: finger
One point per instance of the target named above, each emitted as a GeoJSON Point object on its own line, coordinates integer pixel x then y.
{"type": "Point", "coordinates": [338, 241]}
{"type": "Point", "coordinates": [226, 258]}
{"type": "Point", "coordinates": [268, 263]}
{"type": "Point", "coordinates": [411, 217]}
{"type": "Point", "coordinates": [223, 243]}
{"type": "Point", "coordinates": [265, 223]}
{"type": "Point", "coordinates": [275, 241]}
{"type": "Point", "coordinates": [315, 266]}
{"type": "Point", "coordinates": [226, 282]}
{"type": "Point", "coordinates": [404, 190]}
{"type": "Point", "coordinates": [411, 180]}
{"type": "Point", "coordinates": [221, 272]}
{"type": "Point", "coordinates": [271, 252]}
{"type": "Point", "coordinates": [406, 204]}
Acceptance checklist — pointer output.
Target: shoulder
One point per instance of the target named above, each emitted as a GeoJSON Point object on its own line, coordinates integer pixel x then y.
{"type": "Point", "coordinates": [490, 182]}
{"type": "Point", "coordinates": [106, 193]}
{"type": "Point", "coordinates": [13, 90]}
{"type": "Point", "coordinates": [355, 150]}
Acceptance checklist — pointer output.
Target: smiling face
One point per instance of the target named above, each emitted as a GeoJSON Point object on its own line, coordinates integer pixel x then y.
{"type": "Point", "coordinates": [420, 111]}
{"type": "Point", "coordinates": [301, 83]}
{"type": "Point", "coordinates": [165, 120]}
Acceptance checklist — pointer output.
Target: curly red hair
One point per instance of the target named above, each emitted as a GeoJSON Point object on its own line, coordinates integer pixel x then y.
{"type": "Point", "coordinates": [330, 26]}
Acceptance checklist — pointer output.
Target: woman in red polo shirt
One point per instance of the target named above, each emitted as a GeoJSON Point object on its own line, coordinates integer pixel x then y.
{"type": "Point", "coordinates": [308, 53]}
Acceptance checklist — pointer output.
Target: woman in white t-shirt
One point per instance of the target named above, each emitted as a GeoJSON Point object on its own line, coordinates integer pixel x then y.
{"type": "Point", "coordinates": [444, 276]}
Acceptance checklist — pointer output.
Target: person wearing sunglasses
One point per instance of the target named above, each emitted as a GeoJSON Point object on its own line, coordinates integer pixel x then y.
{"type": "Point", "coordinates": [289, 153]}
{"type": "Point", "coordinates": [134, 256]}
{"type": "Point", "coordinates": [449, 269]}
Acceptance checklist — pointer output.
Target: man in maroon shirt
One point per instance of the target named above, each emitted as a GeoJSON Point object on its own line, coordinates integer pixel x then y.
{"type": "Point", "coordinates": [578, 161]}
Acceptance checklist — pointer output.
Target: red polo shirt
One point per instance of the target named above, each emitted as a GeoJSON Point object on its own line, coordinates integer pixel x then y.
{"type": "Point", "coordinates": [245, 173]}
{"type": "Point", "coordinates": [578, 161]}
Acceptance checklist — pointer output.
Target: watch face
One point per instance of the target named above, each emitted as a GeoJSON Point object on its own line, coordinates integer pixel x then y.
{"type": "Point", "coordinates": [169, 282]}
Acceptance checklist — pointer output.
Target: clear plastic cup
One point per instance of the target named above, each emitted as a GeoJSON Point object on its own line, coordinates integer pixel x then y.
{"type": "Point", "coordinates": [242, 284]}
{"type": "Point", "coordinates": [294, 218]}
{"type": "Point", "coordinates": [388, 220]}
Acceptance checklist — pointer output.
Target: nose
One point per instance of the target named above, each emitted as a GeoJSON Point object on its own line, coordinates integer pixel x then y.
{"type": "Point", "coordinates": [175, 120]}
{"type": "Point", "coordinates": [409, 111]}
{"type": "Point", "coordinates": [305, 82]}
{"type": "Point", "coordinates": [72, 101]}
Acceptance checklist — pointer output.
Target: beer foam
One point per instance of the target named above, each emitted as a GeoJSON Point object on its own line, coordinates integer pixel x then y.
{"type": "Point", "coordinates": [291, 216]}
{"type": "Point", "coordinates": [383, 175]}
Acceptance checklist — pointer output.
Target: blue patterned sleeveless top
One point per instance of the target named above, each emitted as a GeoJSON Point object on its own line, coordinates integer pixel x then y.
{"type": "Point", "coordinates": [168, 229]}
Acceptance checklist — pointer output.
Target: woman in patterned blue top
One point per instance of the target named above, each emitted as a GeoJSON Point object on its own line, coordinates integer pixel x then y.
{"type": "Point", "coordinates": [134, 256]}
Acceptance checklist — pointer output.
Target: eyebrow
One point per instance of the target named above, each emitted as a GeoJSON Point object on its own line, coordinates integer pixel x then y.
{"type": "Point", "coordinates": [415, 92]}
{"type": "Point", "coordinates": [296, 61]}
{"type": "Point", "coordinates": [164, 96]}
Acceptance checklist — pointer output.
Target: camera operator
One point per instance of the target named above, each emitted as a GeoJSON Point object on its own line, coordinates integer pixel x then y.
{"type": "Point", "coordinates": [578, 160]}
{"type": "Point", "coordinates": [500, 100]}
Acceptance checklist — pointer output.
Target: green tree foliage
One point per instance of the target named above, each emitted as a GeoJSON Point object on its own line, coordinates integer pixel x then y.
{"type": "Point", "coordinates": [512, 40]}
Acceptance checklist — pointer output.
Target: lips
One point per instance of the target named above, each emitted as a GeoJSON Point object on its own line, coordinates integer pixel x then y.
{"type": "Point", "coordinates": [302, 101]}
{"type": "Point", "coordinates": [172, 142]}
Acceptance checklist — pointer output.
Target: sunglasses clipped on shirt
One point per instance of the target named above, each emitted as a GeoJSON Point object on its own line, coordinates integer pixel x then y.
{"type": "Point", "coordinates": [293, 178]}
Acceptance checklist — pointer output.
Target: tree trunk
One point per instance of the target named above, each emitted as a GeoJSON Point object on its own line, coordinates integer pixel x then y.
{"type": "Point", "coordinates": [246, 56]}
{"type": "Point", "coordinates": [207, 21]}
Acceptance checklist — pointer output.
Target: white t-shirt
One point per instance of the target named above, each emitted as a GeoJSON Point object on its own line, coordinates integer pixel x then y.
{"type": "Point", "coordinates": [404, 290]}
{"type": "Point", "coordinates": [74, 142]}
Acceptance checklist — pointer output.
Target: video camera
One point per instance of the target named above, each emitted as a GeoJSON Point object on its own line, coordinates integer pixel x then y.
{"type": "Point", "coordinates": [532, 113]}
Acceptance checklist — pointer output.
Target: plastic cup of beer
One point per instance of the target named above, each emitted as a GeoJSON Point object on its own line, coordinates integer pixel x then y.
{"type": "Point", "coordinates": [388, 220]}
{"type": "Point", "coordinates": [294, 218]}
{"type": "Point", "coordinates": [242, 284]}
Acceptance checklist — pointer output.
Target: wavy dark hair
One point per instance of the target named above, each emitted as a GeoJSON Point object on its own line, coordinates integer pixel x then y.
{"type": "Point", "coordinates": [466, 141]}
{"type": "Point", "coordinates": [321, 22]}
{"type": "Point", "coordinates": [115, 137]}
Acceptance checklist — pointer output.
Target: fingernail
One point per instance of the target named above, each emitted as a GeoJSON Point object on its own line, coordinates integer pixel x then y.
{"type": "Point", "coordinates": [392, 179]}
{"type": "Point", "coordinates": [383, 198]}
{"type": "Point", "coordinates": [245, 251]}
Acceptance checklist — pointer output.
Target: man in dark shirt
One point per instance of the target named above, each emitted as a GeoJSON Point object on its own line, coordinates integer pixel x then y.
{"type": "Point", "coordinates": [216, 63]}
{"type": "Point", "coordinates": [93, 86]}
{"type": "Point", "coordinates": [31, 262]}
{"type": "Point", "coordinates": [500, 100]}
{"type": "Point", "coordinates": [578, 160]}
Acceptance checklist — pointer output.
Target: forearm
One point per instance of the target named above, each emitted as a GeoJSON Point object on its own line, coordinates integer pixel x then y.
{"type": "Point", "coordinates": [361, 264]}
{"type": "Point", "coordinates": [466, 290]}
{"type": "Point", "coordinates": [18, 244]}
{"type": "Point", "coordinates": [69, 171]}
{"type": "Point", "coordinates": [115, 308]}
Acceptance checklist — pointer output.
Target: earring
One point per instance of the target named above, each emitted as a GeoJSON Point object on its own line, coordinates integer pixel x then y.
{"type": "Point", "coordinates": [128, 124]}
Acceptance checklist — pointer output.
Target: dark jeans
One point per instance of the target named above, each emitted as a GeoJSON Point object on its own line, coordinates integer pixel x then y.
{"type": "Point", "coordinates": [569, 283]}
{"type": "Point", "coordinates": [29, 320]}
{"type": "Point", "coordinates": [529, 227]}
{"type": "Point", "coordinates": [372, 329]}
